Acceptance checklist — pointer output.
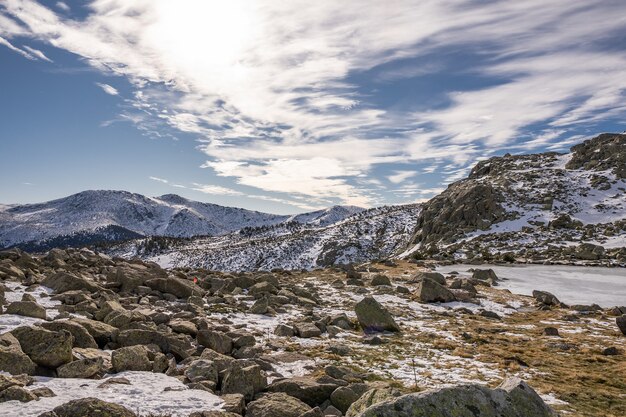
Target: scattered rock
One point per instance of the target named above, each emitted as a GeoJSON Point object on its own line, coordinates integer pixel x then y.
{"type": "Point", "coordinates": [91, 407]}
{"type": "Point", "coordinates": [26, 308]}
{"type": "Point", "coordinates": [373, 317]}
{"type": "Point", "coordinates": [46, 348]}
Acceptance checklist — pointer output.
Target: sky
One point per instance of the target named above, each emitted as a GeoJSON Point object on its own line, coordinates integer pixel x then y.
{"type": "Point", "coordinates": [290, 106]}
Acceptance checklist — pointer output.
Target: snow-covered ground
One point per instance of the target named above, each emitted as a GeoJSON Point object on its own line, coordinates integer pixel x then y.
{"type": "Point", "coordinates": [571, 284]}
{"type": "Point", "coordinates": [147, 394]}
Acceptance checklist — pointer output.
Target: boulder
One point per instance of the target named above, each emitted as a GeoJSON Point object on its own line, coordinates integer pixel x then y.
{"type": "Point", "coordinates": [305, 389]}
{"type": "Point", "coordinates": [12, 359]}
{"type": "Point", "coordinates": [435, 276]}
{"type": "Point", "coordinates": [343, 397]}
{"type": "Point", "coordinates": [307, 330]}
{"type": "Point", "coordinates": [283, 330]}
{"type": "Point", "coordinates": [101, 332]}
{"type": "Point", "coordinates": [46, 348]}
{"type": "Point", "coordinates": [276, 404]}
{"type": "Point", "coordinates": [131, 358]}
{"type": "Point", "coordinates": [380, 279]}
{"type": "Point", "coordinates": [260, 306]}
{"type": "Point", "coordinates": [216, 341]}
{"type": "Point", "coordinates": [92, 407]}
{"type": "Point", "coordinates": [26, 308]}
{"type": "Point", "coordinates": [244, 380]}
{"type": "Point", "coordinates": [202, 370]}
{"type": "Point", "coordinates": [545, 298]}
{"type": "Point", "coordinates": [621, 323]}
{"type": "Point", "coordinates": [373, 317]}
{"type": "Point", "coordinates": [179, 287]}
{"type": "Point", "coordinates": [487, 275]}
{"type": "Point", "coordinates": [83, 368]}
{"type": "Point", "coordinates": [371, 397]}
{"type": "Point", "coordinates": [17, 393]}
{"type": "Point", "coordinates": [82, 338]}
{"type": "Point", "coordinates": [63, 281]}
{"type": "Point", "coordinates": [513, 398]}
{"type": "Point", "coordinates": [429, 291]}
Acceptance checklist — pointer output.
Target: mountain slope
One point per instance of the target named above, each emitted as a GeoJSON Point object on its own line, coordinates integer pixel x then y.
{"type": "Point", "coordinates": [370, 234]}
{"type": "Point", "coordinates": [92, 216]}
{"type": "Point", "coordinates": [532, 206]}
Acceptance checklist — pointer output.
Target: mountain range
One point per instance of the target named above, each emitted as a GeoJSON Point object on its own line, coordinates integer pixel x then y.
{"type": "Point", "coordinates": [542, 207]}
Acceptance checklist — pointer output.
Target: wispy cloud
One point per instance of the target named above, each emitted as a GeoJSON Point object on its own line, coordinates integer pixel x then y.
{"type": "Point", "coordinates": [63, 6]}
{"type": "Point", "coordinates": [164, 181]}
{"type": "Point", "coordinates": [215, 189]}
{"type": "Point", "coordinates": [401, 176]}
{"type": "Point", "coordinates": [108, 89]}
{"type": "Point", "coordinates": [269, 86]}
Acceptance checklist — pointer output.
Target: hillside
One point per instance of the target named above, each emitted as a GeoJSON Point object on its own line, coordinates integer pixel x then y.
{"type": "Point", "coordinates": [96, 216]}
{"type": "Point", "coordinates": [534, 207]}
{"type": "Point", "coordinates": [371, 234]}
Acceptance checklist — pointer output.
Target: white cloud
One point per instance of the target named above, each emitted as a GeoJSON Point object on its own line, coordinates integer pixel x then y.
{"type": "Point", "coordinates": [401, 176]}
{"type": "Point", "coordinates": [14, 48]}
{"type": "Point", "coordinates": [214, 189]}
{"type": "Point", "coordinates": [108, 89]}
{"type": "Point", "coordinates": [37, 53]}
{"type": "Point", "coordinates": [264, 83]}
{"type": "Point", "coordinates": [164, 181]}
{"type": "Point", "coordinates": [63, 6]}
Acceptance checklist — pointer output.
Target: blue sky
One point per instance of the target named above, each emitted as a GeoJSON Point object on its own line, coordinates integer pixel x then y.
{"type": "Point", "coordinates": [292, 106]}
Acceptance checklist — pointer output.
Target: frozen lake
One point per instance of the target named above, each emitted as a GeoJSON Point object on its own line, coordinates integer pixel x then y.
{"type": "Point", "coordinates": [571, 284]}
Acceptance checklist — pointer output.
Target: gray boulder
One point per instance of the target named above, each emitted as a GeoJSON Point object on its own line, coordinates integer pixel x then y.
{"type": "Point", "coordinates": [179, 287]}
{"type": "Point", "coordinates": [26, 308]}
{"type": "Point", "coordinates": [621, 323]}
{"type": "Point", "coordinates": [373, 317]}
{"type": "Point", "coordinates": [545, 298]}
{"type": "Point", "coordinates": [91, 407]}
{"type": "Point", "coordinates": [513, 398]}
{"type": "Point", "coordinates": [371, 397]}
{"type": "Point", "coordinates": [216, 341]}
{"type": "Point", "coordinates": [12, 359]}
{"type": "Point", "coordinates": [429, 291]}
{"type": "Point", "coordinates": [46, 348]}
{"type": "Point", "coordinates": [246, 381]}
{"type": "Point", "coordinates": [202, 370]}
{"type": "Point", "coordinates": [63, 281]}
{"type": "Point", "coordinates": [305, 389]}
{"type": "Point", "coordinates": [343, 397]}
{"type": "Point", "coordinates": [435, 276]}
{"type": "Point", "coordinates": [83, 368]}
{"type": "Point", "coordinates": [277, 404]}
{"type": "Point", "coordinates": [486, 275]}
{"type": "Point", "coordinates": [131, 358]}
{"type": "Point", "coordinates": [82, 338]}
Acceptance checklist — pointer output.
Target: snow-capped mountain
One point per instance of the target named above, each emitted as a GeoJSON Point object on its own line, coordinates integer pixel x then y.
{"type": "Point", "coordinates": [537, 207]}
{"type": "Point", "coordinates": [93, 216]}
{"type": "Point", "coordinates": [370, 234]}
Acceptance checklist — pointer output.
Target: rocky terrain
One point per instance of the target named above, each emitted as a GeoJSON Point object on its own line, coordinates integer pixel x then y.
{"type": "Point", "coordinates": [86, 334]}
{"type": "Point", "coordinates": [546, 207]}
{"type": "Point", "coordinates": [370, 234]}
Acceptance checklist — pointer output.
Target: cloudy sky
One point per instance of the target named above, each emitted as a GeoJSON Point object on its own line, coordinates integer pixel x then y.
{"type": "Point", "coordinates": [286, 106]}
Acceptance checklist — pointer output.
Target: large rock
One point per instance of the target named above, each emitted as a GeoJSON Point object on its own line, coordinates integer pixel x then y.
{"type": "Point", "coordinates": [373, 317]}
{"type": "Point", "coordinates": [305, 389]}
{"type": "Point", "coordinates": [179, 287]}
{"type": "Point", "coordinates": [371, 397]}
{"type": "Point", "coordinates": [91, 407]}
{"type": "Point", "coordinates": [276, 404]}
{"type": "Point", "coordinates": [16, 393]}
{"type": "Point", "coordinates": [435, 276]}
{"type": "Point", "coordinates": [513, 398]}
{"type": "Point", "coordinates": [179, 345]}
{"type": "Point", "coordinates": [202, 370]}
{"type": "Point", "coordinates": [216, 341]}
{"type": "Point", "coordinates": [12, 359]}
{"type": "Point", "coordinates": [63, 281]}
{"type": "Point", "coordinates": [621, 323]}
{"type": "Point", "coordinates": [487, 275]}
{"type": "Point", "coordinates": [343, 397]}
{"type": "Point", "coordinates": [131, 358]}
{"type": "Point", "coordinates": [83, 368]}
{"type": "Point", "coordinates": [46, 348]}
{"type": "Point", "coordinates": [101, 332]}
{"type": "Point", "coordinates": [546, 298]}
{"type": "Point", "coordinates": [82, 338]}
{"type": "Point", "coordinates": [246, 381]}
{"type": "Point", "coordinates": [27, 308]}
{"type": "Point", "coordinates": [429, 291]}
